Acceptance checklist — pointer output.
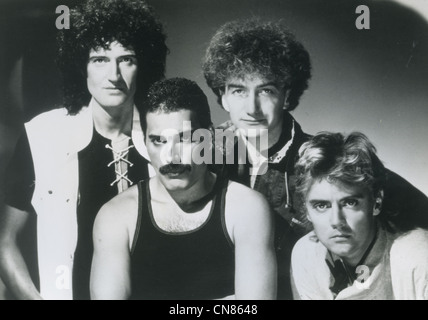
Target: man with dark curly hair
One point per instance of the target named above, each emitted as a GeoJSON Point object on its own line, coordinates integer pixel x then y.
{"type": "Point", "coordinates": [259, 71]}
{"type": "Point", "coordinates": [184, 233]}
{"type": "Point", "coordinates": [70, 161]}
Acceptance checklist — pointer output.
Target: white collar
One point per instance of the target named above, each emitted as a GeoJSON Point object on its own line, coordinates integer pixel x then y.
{"type": "Point", "coordinates": [277, 157]}
{"type": "Point", "coordinates": [254, 154]}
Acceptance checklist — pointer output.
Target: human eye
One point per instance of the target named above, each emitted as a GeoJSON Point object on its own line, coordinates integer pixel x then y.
{"type": "Point", "coordinates": [157, 140]}
{"type": "Point", "coordinates": [268, 91]}
{"type": "Point", "coordinates": [98, 60]}
{"type": "Point", "coordinates": [320, 206]}
{"type": "Point", "coordinates": [185, 139]}
{"type": "Point", "coordinates": [351, 203]}
{"type": "Point", "coordinates": [128, 60]}
{"type": "Point", "coordinates": [238, 92]}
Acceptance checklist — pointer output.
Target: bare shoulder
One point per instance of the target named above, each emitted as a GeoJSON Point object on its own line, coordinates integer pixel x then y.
{"type": "Point", "coordinates": [246, 206]}
{"type": "Point", "coordinates": [120, 209]}
{"type": "Point", "coordinates": [248, 216]}
{"type": "Point", "coordinates": [239, 195]}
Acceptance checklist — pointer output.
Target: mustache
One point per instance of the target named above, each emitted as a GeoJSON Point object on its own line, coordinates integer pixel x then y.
{"type": "Point", "coordinates": [344, 230]}
{"type": "Point", "coordinates": [174, 168]}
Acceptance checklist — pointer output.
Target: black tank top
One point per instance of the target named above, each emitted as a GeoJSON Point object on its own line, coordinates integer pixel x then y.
{"type": "Point", "coordinates": [193, 265]}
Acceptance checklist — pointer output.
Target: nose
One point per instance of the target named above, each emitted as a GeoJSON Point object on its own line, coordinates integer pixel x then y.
{"type": "Point", "coordinates": [337, 219]}
{"type": "Point", "coordinates": [171, 153]}
{"type": "Point", "coordinates": [114, 71]}
{"type": "Point", "coordinates": [252, 104]}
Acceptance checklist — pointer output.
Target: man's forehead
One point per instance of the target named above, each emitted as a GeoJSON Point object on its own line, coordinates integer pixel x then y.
{"type": "Point", "coordinates": [252, 80]}
{"type": "Point", "coordinates": [115, 47]}
{"type": "Point", "coordinates": [180, 120]}
{"type": "Point", "coordinates": [325, 187]}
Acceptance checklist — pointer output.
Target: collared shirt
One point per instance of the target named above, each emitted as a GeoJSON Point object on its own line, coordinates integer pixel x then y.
{"type": "Point", "coordinates": [277, 184]}
{"type": "Point", "coordinates": [260, 160]}
{"type": "Point", "coordinates": [395, 268]}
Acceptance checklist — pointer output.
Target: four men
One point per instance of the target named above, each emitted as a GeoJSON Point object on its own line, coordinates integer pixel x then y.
{"type": "Point", "coordinates": [81, 157]}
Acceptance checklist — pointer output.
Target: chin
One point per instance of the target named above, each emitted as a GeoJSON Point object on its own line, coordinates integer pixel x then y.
{"type": "Point", "coordinates": [113, 101]}
{"type": "Point", "coordinates": [341, 250]}
{"type": "Point", "coordinates": [253, 131]}
{"type": "Point", "coordinates": [175, 184]}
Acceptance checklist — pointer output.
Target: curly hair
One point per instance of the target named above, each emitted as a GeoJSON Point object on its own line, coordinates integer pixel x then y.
{"type": "Point", "coordinates": [171, 95]}
{"type": "Point", "coordinates": [268, 49]}
{"type": "Point", "coordinates": [97, 23]}
{"type": "Point", "coordinates": [348, 159]}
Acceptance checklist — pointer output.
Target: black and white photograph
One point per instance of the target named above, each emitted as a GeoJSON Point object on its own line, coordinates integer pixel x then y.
{"type": "Point", "coordinates": [239, 150]}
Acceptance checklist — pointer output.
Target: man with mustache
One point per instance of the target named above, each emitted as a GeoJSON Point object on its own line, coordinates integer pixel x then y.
{"type": "Point", "coordinates": [185, 233]}
{"type": "Point", "coordinates": [355, 251]}
{"type": "Point", "coordinates": [72, 160]}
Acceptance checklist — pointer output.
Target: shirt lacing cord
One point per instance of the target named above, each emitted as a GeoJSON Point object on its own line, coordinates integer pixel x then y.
{"type": "Point", "coordinates": [120, 156]}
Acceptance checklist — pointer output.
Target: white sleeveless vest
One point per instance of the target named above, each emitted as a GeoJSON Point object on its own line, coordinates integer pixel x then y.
{"type": "Point", "coordinates": [55, 139]}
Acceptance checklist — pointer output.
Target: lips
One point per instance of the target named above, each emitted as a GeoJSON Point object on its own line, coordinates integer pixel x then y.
{"type": "Point", "coordinates": [253, 121]}
{"type": "Point", "coordinates": [340, 236]}
{"type": "Point", "coordinates": [113, 89]}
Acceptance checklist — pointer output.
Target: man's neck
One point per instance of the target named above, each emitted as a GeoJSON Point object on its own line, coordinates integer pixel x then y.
{"type": "Point", "coordinates": [273, 136]}
{"type": "Point", "coordinates": [361, 255]}
{"type": "Point", "coordinates": [192, 199]}
{"type": "Point", "coordinates": [113, 123]}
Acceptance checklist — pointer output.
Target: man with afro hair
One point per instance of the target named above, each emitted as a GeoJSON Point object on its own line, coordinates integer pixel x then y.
{"type": "Point", "coordinates": [258, 70]}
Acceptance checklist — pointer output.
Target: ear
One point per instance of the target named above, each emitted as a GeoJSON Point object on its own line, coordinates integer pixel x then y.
{"type": "Point", "coordinates": [224, 102]}
{"type": "Point", "coordinates": [378, 203]}
{"type": "Point", "coordinates": [287, 93]}
{"type": "Point", "coordinates": [212, 131]}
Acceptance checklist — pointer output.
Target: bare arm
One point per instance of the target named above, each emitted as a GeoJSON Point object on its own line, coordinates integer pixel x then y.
{"type": "Point", "coordinates": [110, 273]}
{"type": "Point", "coordinates": [13, 268]}
{"type": "Point", "coordinates": [252, 233]}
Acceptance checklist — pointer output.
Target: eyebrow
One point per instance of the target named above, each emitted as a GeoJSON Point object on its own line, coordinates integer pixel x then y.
{"type": "Point", "coordinates": [353, 196]}
{"type": "Point", "coordinates": [234, 85]}
{"type": "Point", "coordinates": [267, 84]}
{"type": "Point", "coordinates": [180, 134]}
{"type": "Point", "coordinates": [314, 201]}
{"type": "Point", "coordinates": [100, 55]}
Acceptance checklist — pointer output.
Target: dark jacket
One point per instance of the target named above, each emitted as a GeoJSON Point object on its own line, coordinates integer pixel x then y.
{"type": "Point", "coordinates": [277, 185]}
